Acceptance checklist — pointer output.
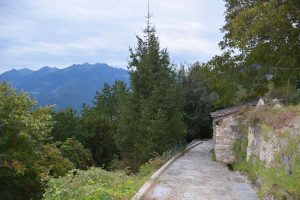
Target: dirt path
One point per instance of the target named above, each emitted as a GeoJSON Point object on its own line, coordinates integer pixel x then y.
{"type": "Point", "coordinates": [195, 176]}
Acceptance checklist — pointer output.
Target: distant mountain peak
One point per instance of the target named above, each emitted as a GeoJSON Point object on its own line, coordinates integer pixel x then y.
{"type": "Point", "coordinates": [88, 66]}
{"type": "Point", "coordinates": [47, 69]}
{"type": "Point", "coordinates": [67, 87]}
{"type": "Point", "coordinates": [23, 71]}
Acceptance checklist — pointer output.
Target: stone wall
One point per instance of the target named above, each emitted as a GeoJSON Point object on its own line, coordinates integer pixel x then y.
{"type": "Point", "coordinates": [225, 131]}
{"type": "Point", "coordinates": [273, 147]}
{"type": "Point", "coordinates": [265, 143]}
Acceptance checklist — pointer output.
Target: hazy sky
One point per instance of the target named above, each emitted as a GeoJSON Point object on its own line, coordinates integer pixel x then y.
{"type": "Point", "coordinates": [58, 33]}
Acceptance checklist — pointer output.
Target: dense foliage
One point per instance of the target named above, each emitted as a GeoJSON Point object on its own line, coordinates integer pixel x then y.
{"type": "Point", "coordinates": [96, 183]}
{"type": "Point", "coordinates": [24, 130]}
{"type": "Point", "coordinates": [261, 49]}
{"type": "Point", "coordinates": [266, 33]}
{"type": "Point", "coordinates": [55, 163]}
{"type": "Point", "coordinates": [73, 150]}
{"type": "Point", "coordinates": [150, 115]}
{"type": "Point", "coordinates": [65, 124]}
{"type": "Point", "coordinates": [199, 100]}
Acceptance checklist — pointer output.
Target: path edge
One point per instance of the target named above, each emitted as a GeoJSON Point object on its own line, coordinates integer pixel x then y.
{"type": "Point", "coordinates": [148, 185]}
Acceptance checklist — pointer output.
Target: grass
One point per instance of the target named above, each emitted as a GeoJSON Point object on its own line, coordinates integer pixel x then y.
{"type": "Point", "coordinates": [213, 155]}
{"type": "Point", "coordinates": [274, 180]}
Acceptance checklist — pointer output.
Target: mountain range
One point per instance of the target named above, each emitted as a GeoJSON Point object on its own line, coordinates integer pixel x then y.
{"type": "Point", "coordinates": [68, 87]}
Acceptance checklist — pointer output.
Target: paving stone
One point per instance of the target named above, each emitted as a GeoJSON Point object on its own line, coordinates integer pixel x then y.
{"type": "Point", "coordinates": [195, 176]}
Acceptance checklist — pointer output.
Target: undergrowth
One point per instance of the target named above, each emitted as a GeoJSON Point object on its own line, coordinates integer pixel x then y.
{"type": "Point", "coordinates": [274, 180]}
{"type": "Point", "coordinates": [272, 116]}
{"type": "Point", "coordinates": [96, 183]}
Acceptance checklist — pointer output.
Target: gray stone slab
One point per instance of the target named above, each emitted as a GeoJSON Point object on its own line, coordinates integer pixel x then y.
{"type": "Point", "coordinates": [195, 176]}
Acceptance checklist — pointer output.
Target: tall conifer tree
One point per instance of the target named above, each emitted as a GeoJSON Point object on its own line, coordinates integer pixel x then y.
{"type": "Point", "coordinates": [156, 101]}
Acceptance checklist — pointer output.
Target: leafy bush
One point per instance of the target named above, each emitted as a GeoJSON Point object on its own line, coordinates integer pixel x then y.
{"type": "Point", "coordinates": [96, 183]}
{"type": "Point", "coordinates": [76, 153]}
{"type": "Point", "coordinates": [55, 163]}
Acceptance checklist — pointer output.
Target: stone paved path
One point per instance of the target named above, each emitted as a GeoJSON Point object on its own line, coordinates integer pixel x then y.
{"type": "Point", "coordinates": [195, 176]}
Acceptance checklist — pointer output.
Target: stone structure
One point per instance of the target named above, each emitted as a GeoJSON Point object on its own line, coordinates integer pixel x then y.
{"type": "Point", "coordinates": [226, 124]}
{"type": "Point", "coordinates": [265, 143]}
{"type": "Point", "coordinates": [273, 141]}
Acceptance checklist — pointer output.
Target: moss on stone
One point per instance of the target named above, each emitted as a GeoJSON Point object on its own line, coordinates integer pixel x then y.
{"type": "Point", "coordinates": [213, 155]}
{"type": "Point", "coordinates": [281, 180]}
{"type": "Point", "coordinates": [284, 134]}
{"type": "Point", "coordinates": [240, 148]}
{"type": "Point", "coordinates": [275, 180]}
{"type": "Point", "coordinates": [266, 129]}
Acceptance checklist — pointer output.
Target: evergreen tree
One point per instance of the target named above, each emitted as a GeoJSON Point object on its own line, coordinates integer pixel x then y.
{"type": "Point", "coordinates": [105, 102]}
{"type": "Point", "coordinates": [200, 97]}
{"type": "Point", "coordinates": [127, 126]}
{"type": "Point", "coordinates": [150, 116]}
{"type": "Point", "coordinates": [97, 124]}
{"type": "Point", "coordinates": [96, 134]}
{"type": "Point", "coordinates": [65, 125]}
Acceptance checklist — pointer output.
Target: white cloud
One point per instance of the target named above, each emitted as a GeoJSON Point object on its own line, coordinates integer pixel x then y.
{"type": "Point", "coordinates": [35, 33]}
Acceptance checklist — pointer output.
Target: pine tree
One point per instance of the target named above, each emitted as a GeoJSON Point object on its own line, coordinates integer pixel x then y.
{"type": "Point", "coordinates": [148, 63]}
{"type": "Point", "coordinates": [150, 116]}
{"type": "Point", "coordinates": [105, 102]}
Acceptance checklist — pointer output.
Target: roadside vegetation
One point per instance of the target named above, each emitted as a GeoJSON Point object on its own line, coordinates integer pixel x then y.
{"type": "Point", "coordinates": [96, 183]}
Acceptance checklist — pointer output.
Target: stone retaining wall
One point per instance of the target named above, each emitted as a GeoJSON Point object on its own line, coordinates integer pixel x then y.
{"type": "Point", "coordinates": [265, 143]}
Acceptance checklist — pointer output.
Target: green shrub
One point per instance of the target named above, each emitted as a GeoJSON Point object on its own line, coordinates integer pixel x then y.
{"type": "Point", "coordinates": [76, 153]}
{"type": "Point", "coordinates": [96, 183]}
{"type": "Point", "coordinates": [54, 162]}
